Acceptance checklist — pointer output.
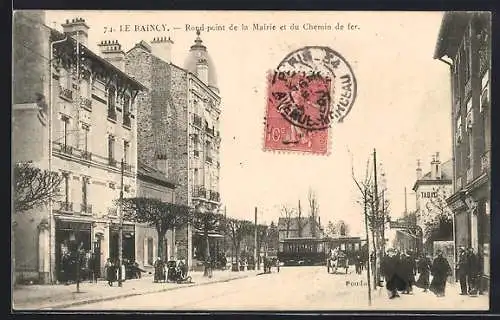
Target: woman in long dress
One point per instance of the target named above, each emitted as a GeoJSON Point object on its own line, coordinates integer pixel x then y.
{"type": "Point", "coordinates": [440, 271]}
{"type": "Point", "coordinates": [424, 269]}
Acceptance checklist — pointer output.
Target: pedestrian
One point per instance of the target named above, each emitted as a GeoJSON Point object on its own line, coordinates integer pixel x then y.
{"type": "Point", "coordinates": [473, 271]}
{"type": "Point", "coordinates": [278, 265]}
{"type": "Point", "coordinates": [159, 270]}
{"type": "Point", "coordinates": [388, 268]}
{"type": "Point", "coordinates": [440, 270]}
{"type": "Point", "coordinates": [110, 272]}
{"type": "Point", "coordinates": [463, 270]}
{"type": "Point", "coordinates": [424, 268]}
{"type": "Point", "coordinates": [405, 272]}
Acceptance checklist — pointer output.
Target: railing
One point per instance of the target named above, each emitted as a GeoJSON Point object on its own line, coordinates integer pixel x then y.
{"type": "Point", "coordinates": [196, 153]}
{"type": "Point", "coordinates": [199, 192]}
{"type": "Point", "coordinates": [214, 195]}
{"type": "Point", "coordinates": [86, 155]}
{"type": "Point", "coordinates": [210, 131]}
{"type": "Point", "coordinates": [112, 113]}
{"type": "Point", "coordinates": [127, 167]}
{"type": "Point", "coordinates": [470, 175]}
{"type": "Point", "coordinates": [86, 103]}
{"type": "Point", "coordinates": [112, 162]}
{"type": "Point", "coordinates": [485, 162]}
{"type": "Point", "coordinates": [208, 159]}
{"type": "Point", "coordinates": [197, 120]}
{"type": "Point", "coordinates": [66, 94]}
{"type": "Point", "coordinates": [127, 122]}
{"type": "Point", "coordinates": [86, 208]}
{"type": "Point", "coordinates": [65, 206]}
{"type": "Point", "coordinates": [66, 149]}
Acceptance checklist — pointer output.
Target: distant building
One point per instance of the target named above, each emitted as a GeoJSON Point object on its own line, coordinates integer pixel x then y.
{"type": "Point", "coordinates": [306, 227]}
{"type": "Point", "coordinates": [431, 191]}
{"type": "Point", "coordinates": [464, 44]}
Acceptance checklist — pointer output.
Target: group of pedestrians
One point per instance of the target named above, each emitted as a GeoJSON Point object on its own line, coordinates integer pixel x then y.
{"type": "Point", "coordinates": [468, 271]}
{"type": "Point", "coordinates": [400, 269]}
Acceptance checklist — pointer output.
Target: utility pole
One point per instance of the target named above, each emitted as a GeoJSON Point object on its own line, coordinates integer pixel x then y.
{"type": "Point", "coordinates": [255, 239]}
{"type": "Point", "coordinates": [120, 235]}
{"type": "Point", "coordinates": [365, 200]}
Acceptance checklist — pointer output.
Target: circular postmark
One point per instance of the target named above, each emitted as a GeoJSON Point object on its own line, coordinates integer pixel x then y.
{"type": "Point", "coordinates": [319, 87]}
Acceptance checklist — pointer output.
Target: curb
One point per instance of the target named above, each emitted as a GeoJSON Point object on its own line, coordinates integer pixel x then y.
{"type": "Point", "coordinates": [128, 295]}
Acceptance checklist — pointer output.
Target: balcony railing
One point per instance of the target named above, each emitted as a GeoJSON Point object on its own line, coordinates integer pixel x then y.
{"type": "Point", "coordinates": [210, 131]}
{"type": "Point", "coordinates": [66, 149]}
{"type": "Point", "coordinates": [127, 167]}
{"type": "Point", "coordinates": [66, 94]}
{"type": "Point", "coordinates": [86, 155]}
{"type": "Point", "coordinates": [208, 159]}
{"type": "Point", "coordinates": [86, 208]}
{"type": "Point", "coordinates": [112, 113]}
{"type": "Point", "coordinates": [199, 192]}
{"type": "Point", "coordinates": [485, 162]}
{"type": "Point", "coordinates": [197, 120]}
{"type": "Point", "coordinates": [86, 103]}
{"type": "Point", "coordinates": [65, 206]}
{"type": "Point", "coordinates": [214, 196]}
{"type": "Point", "coordinates": [196, 153]}
{"type": "Point", "coordinates": [127, 122]}
{"type": "Point", "coordinates": [470, 175]}
{"type": "Point", "coordinates": [112, 162]}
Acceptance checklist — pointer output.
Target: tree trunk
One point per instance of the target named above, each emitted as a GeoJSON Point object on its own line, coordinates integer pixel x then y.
{"type": "Point", "coordinates": [207, 254]}
{"type": "Point", "coordinates": [161, 245]}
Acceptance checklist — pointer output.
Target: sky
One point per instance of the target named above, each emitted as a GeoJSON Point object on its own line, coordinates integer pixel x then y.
{"type": "Point", "coordinates": [402, 107]}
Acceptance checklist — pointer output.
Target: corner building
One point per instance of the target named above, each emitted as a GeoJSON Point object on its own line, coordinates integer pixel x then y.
{"type": "Point", "coordinates": [178, 131]}
{"type": "Point", "coordinates": [83, 126]}
{"type": "Point", "coordinates": [464, 43]}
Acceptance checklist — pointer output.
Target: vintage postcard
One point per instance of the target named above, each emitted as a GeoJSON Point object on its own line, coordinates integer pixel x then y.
{"type": "Point", "coordinates": [231, 160]}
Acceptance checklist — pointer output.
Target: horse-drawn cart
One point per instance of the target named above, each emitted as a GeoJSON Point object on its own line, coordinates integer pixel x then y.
{"type": "Point", "coordinates": [337, 260]}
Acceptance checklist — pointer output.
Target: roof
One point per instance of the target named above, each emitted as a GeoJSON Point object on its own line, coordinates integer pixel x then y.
{"type": "Point", "coordinates": [147, 173]}
{"type": "Point", "coordinates": [197, 52]}
{"type": "Point", "coordinates": [451, 33]}
{"type": "Point", "coordinates": [446, 174]}
{"type": "Point", "coordinates": [56, 35]}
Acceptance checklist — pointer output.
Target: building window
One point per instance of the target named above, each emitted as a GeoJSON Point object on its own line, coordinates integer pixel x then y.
{"type": "Point", "coordinates": [85, 142]}
{"type": "Point", "coordinates": [112, 103]}
{"type": "Point", "coordinates": [196, 177]}
{"type": "Point", "coordinates": [66, 187]}
{"type": "Point", "coordinates": [126, 150]}
{"type": "Point", "coordinates": [86, 208]}
{"type": "Point", "coordinates": [65, 129]}
{"type": "Point", "coordinates": [111, 150]}
{"type": "Point", "coordinates": [208, 152]}
{"type": "Point", "coordinates": [126, 111]}
{"type": "Point", "coordinates": [150, 251]}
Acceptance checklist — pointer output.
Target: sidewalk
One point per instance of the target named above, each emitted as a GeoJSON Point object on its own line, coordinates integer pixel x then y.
{"type": "Point", "coordinates": [36, 297]}
{"type": "Point", "coordinates": [421, 301]}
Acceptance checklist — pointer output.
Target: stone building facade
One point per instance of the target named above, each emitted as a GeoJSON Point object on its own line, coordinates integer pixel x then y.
{"type": "Point", "coordinates": [178, 131]}
{"type": "Point", "coordinates": [75, 116]}
{"type": "Point", "coordinates": [464, 44]}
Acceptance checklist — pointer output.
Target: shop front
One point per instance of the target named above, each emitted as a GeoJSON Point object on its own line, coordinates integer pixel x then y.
{"type": "Point", "coordinates": [70, 235]}
{"type": "Point", "coordinates": [128, 241]}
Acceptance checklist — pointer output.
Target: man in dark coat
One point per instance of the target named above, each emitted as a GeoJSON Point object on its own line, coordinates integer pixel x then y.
{"type": "Point", "coordinates": [424, 267]}
{"type": "Point", "coordinates": [462, 270]}
{"type": "Point", "coordinates": [472, 271]}
{"type": "Point", "coordinates": [440, 270]}
{"type": "Point", "coordinates": [389, 268]}
{"type": "Point", "coordinates": [406, 272]}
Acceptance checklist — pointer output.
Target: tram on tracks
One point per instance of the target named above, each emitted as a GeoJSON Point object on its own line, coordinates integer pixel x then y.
{"type": "Point", "coordinates": [302, 252]}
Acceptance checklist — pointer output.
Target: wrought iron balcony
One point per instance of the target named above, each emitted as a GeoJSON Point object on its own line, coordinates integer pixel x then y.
{"type": "Point", "coordinates": [66, 94]}
{"type": "Point", "coordinates": [86, 103]}
{"type": "Point", "coordinates": [66, 149]}
{"type": "Point", "coordinates": [86, 208]}
{"type": "Point", "coordinates": [86, 155]}
{"type": "Point", "coordinates": [197, 120]}
{"type": "Point", "coordinates": [65, 206]}
{"type": "Point", "coordinates": [112, 162]}
{"type": "Point", "coordinates": [199, 192]}
{"type": "Point", "coordinates": [214, 196]}
{"type": "Point", "coordinates": [485, 162]}
{"type": "Point", "coordinates": [127, 122]}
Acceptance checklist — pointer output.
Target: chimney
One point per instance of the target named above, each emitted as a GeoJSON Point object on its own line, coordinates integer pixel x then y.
{"type": "Point", "coordinates": [162, 48]}
{"type": "Point", "coordinates": [436, 167]}
{"type": "Point", "coordinates": [111, 51]}
{"type": "Point", "coordinates": [419, 170]}
{"type": "Point", "coordinates": [77, 29]}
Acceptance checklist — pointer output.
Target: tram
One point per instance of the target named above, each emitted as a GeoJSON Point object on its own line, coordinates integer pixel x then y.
{"type": "Point", "coordinates": [302, 252]}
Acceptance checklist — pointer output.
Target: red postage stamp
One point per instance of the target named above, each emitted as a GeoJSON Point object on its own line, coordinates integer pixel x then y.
{"type": "Point", "coordinates": [297, 115]}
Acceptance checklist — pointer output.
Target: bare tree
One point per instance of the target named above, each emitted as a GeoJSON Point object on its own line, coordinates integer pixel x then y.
{"type": "Point", "coordinates": [34, 187]}
{"type": "Point", "coordinates": [300, 225]}
{"type": "Point", "coordinates": [313, 210]}
{"type": "Point", "coordinates": [287, 214]}
{"type": "Point", "coordinates": [236, 230]}
{"type": "Point", "coordinates": [437, 217]}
